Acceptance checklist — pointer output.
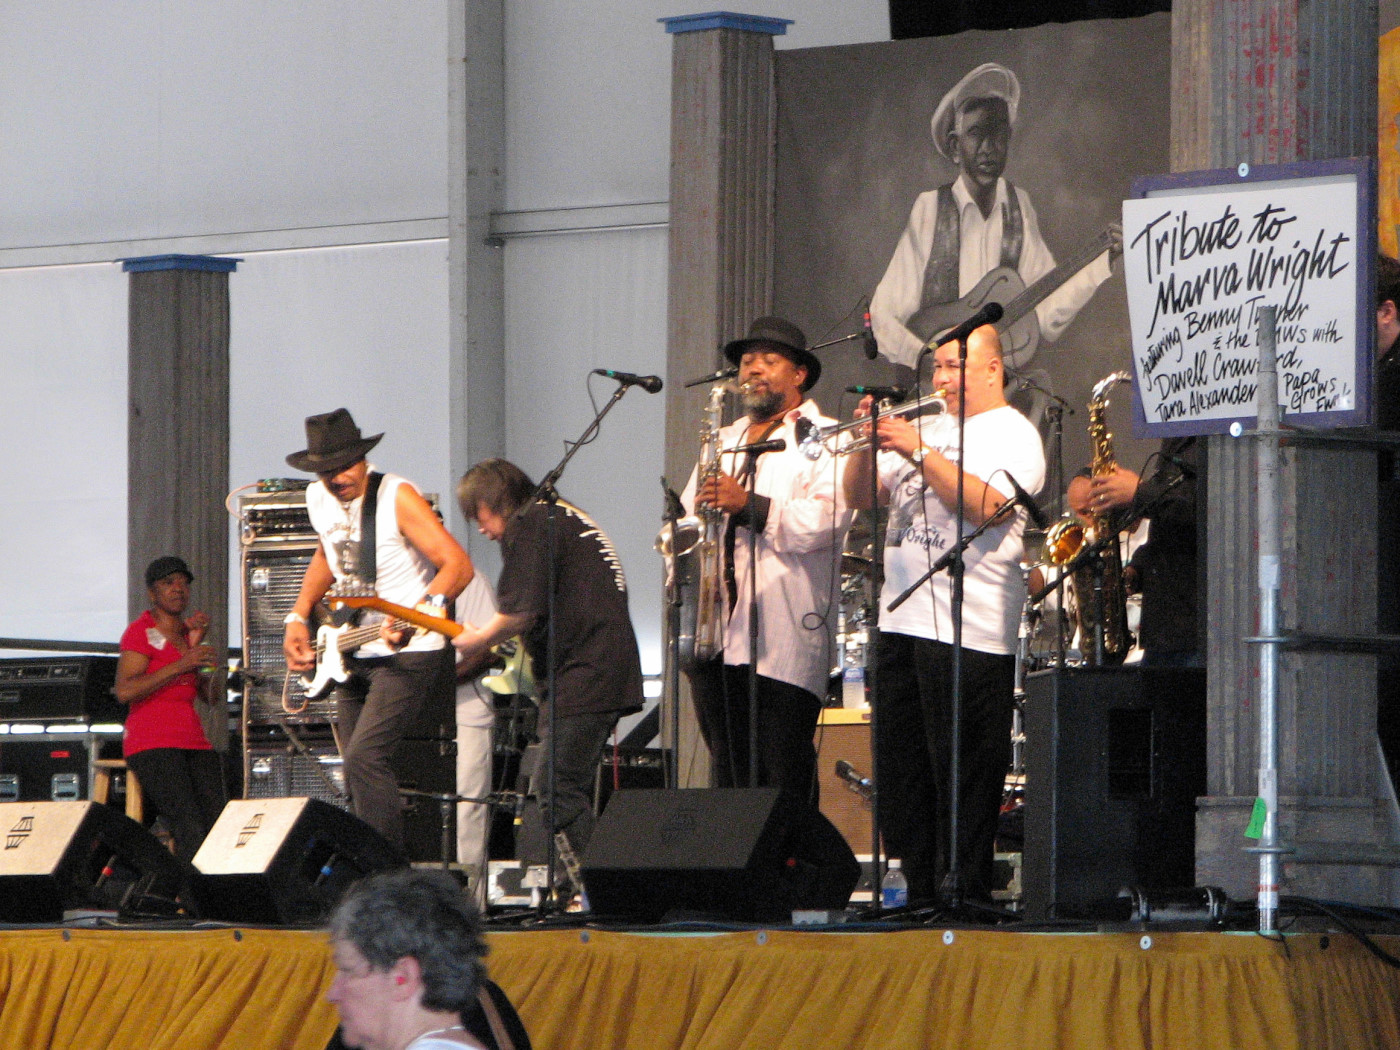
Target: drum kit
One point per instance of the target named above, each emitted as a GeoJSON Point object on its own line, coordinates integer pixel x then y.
{"type": "Point", "coordinates": [1047, 628]}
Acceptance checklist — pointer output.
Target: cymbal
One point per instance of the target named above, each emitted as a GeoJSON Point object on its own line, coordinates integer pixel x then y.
{"type": "Point", "coordinates": [854, 565]}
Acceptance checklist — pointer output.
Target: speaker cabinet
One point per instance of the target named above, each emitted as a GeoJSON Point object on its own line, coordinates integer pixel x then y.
{"type": "Point", "coordinates": [1115, 760]}
{"type": "Point", "coordinates": [60, 856]}
{"type": "Point", "coordinates": [43, 768]}
{"type": "Point", "coordinates": [743, 853]}
{"type": "Point", "coordinates": [427, 765]}
{"type": "Point", "coordinates": [285, 860]}
{"type": "Point", "coordinates": [844, 736]}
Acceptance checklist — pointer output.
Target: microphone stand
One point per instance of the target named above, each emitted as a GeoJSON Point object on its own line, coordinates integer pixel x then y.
{"type": "Point", "coordinates": [752, 481]}
{"type": "Point", "coordinates": [545, 490]}
{"type": "Point", "coordinates": [952, 887]}
{"type": "Point", "coordinates": [1056, 409]}
{"type": "Point", "coordinates": [674, 601]}
{"type": "Point", "coordinates": [872, 661]}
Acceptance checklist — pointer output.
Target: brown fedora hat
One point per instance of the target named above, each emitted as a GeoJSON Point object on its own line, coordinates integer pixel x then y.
{"type": "Point", "coordinates": [783, 336]}
{"type": "Point", "coordinates": [333, 442]}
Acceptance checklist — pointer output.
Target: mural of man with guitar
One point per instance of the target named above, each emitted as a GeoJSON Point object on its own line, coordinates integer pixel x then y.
{"type": "Point", "coordinates": [378, 534]}
{"type": "Point", "coordinates": [977, 240]}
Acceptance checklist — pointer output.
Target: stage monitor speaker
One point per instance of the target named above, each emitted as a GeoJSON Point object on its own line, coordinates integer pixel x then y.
{"type": "Point", "coordinates": [1115, 760]}
{"type": "Point", "coordinates": [285, 860]}
{"type": "Point", "coordinates": [66, 856]}
{"type": "Point", "coordinates": [740, 853]}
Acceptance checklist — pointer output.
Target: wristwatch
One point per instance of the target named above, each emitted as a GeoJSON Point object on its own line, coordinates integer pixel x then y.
{"type": "Point", "coordinates": [917, 456]}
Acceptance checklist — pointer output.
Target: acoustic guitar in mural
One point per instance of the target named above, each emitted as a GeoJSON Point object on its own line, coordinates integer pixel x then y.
{"type": "Point", "coordinates": [1019, 327]}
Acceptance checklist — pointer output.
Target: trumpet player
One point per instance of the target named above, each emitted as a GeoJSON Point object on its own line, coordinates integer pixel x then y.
{"type": "Point", "coordinates": [797, 523]}
{"type": "Point", "coordinates": [917, 476]}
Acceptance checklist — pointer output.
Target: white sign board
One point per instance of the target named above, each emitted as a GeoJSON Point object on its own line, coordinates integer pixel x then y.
{"type": "Point", "coordinates": [1202, 255]}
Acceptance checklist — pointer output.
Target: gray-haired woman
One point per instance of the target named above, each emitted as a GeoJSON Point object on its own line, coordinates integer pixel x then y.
{"type": "Point", "coordinates": [408, 948]}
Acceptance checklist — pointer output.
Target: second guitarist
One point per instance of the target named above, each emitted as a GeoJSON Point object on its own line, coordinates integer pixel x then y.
{"type": "Point", "coordinates": [598, 672]}
{"type": "Point", "coordinates": [375, 530]}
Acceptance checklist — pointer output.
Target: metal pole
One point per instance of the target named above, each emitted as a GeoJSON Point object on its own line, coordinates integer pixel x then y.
{"type": "Point", "coordinates": [1266, 466]}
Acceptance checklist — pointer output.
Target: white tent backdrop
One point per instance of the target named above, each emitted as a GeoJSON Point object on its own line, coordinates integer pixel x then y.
{"type": "Point", "coordinates": [63, 430]}
{"type": "Point", "coordinates": [575, 303]}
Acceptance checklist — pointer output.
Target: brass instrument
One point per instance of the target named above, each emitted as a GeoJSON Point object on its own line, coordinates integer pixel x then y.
{"type": "Point", "coordinates": [693, 551]}
{"type": "Point", "coordinates": [819, 439]}
{"type": "Point", "coordinates": [1096, 587]}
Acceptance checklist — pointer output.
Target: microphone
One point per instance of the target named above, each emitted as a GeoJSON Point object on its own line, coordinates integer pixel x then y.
{"type": "Point", "coordinates": [1024, 499]}
{"type": "Point", "coordinates": [880, 393]}
{"type": "Point", "coordinates": [861, 785]}
{"type": "Point", "coordinates": [713, 377]}
{"type": "Point", "coordinates": [651, 384]}
{"type": "Point", "coordinates": [867, 337]}
{"type": "Point", "coordinates": [760, 447]}
{"type": "Point", "coordinates": [989, 314]}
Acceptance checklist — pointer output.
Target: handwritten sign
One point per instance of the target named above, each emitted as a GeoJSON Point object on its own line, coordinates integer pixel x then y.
{"type": "Point", "coordinates": [1201, 259]}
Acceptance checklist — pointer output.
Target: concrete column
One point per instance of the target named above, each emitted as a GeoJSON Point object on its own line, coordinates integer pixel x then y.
{"type": "Point", "coordinates": [723, 136]}
{"type": "Point", "coordinates": [1274, 81]}
{"type": "Point", "coordinates": [476, 294]}
{"type": "Point", "coordinates": [177, 434]}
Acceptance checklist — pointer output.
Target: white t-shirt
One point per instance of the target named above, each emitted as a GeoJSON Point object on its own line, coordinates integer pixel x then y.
{"type": "Point", "coordinates": [402, 573]}
{"type": "Point", "coordinates": [1000, 439]}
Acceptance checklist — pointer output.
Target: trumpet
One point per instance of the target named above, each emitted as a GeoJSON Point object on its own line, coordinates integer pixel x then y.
{"type": "Point", "coordinates": [819, 439]}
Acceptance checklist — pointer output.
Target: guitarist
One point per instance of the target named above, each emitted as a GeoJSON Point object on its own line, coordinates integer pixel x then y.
{"type": "Point", "coordinates": [598, 673]}
{"type": "Point", "coordinates": [978, 223]}
{"type": "Point", "coordinates": [375, 530]}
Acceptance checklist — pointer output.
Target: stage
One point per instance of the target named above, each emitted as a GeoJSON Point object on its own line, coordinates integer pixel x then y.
{"type": "Point", "coordinates": [584, 987]}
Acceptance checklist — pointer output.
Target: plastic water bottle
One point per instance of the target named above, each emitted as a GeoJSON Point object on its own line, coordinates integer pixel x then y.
{"type": "Point", "coordinates": [894, 889]}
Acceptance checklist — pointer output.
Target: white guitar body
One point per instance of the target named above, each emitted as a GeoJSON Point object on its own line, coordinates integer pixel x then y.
{"type": "Point", "coordinates": [330, 667]}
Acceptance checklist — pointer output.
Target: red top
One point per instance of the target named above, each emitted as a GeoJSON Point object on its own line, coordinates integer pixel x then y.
{"type": "Point", "coordinates": [167, 717]}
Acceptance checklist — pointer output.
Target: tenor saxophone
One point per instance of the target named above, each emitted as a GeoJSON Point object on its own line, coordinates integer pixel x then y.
{"type": "Point", "coordinates": [1068, 536]}
{"type": "Point", "coordinates": [694, 550]}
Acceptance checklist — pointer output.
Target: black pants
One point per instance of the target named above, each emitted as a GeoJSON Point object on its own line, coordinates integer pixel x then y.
{"type": "Point", "coordinates": [913, 755]}
{"type": "Point", "coordinates": [376, 708]}
{"type": "Point", "coordinates": [186, 787]}
{"type": "Point", "coordinates": [579, 742]}
{"type": "Point", "coordinates": [787, 724]}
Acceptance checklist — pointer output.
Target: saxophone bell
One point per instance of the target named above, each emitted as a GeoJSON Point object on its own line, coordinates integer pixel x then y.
{"type": "Point", "coordinates": [680, 541]}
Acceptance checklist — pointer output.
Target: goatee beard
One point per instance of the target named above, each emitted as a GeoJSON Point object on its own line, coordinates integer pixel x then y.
{"type": "Point", "coordinates": [762, 406]}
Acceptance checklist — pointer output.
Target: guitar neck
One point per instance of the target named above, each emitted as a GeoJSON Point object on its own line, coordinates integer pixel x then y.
{"type": "Point", "coordinates": [358, 636]}
{"type": "Point", "coordinates": [1032, 296]}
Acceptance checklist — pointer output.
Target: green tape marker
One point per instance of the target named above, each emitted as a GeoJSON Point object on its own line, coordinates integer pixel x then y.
{"type": "Point", "coordinates": [1256, 820]}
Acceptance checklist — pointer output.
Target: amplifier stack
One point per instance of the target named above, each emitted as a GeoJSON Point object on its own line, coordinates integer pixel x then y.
{"type": "Point", "coordinates": [289, 749]}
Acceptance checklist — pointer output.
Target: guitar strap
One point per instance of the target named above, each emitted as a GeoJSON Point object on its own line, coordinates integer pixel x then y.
{"type": "Point", "coordinates": [369, 538]}
{"type": "Point", "coordinates": [941, 271]}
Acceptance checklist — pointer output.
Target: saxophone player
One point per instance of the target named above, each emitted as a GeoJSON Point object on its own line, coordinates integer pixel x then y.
{"type": "Point", "coordinates": [797, 523]}
{"type": "Point", "coordinates": [918, 477]}
{"type": "Point", "coordinates": [1164, 569]}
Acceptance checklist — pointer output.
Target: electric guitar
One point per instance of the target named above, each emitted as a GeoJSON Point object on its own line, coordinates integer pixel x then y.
{"type": "Point", "coordinates": [333, 642]}
{"type": "Point", "coordinates": [1019, 327]}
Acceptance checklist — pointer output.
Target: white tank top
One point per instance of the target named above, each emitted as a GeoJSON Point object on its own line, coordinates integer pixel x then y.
{"type": "Point", "coordinates": [402, 573]}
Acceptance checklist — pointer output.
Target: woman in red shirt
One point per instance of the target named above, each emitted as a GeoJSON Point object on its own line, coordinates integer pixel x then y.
{"type": "Point", "coordinates": [161, 672]}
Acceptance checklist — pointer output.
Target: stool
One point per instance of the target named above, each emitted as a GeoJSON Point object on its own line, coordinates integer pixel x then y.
{"type": "Point", "coordinates": [102, 770]}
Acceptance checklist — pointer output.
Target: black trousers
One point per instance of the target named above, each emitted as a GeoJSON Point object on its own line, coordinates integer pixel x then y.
{"type": "Point", "coordinates": [913, 754]}
{"type": "Point", "coordinates": [578, 748]}
{"type": "Point", "coordinates": [787, 724]}
{"type": "Point", "coordinates": [376, 708]}
{"type": "Point", "coordinates": [186, 787]}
